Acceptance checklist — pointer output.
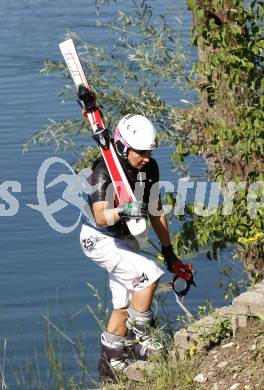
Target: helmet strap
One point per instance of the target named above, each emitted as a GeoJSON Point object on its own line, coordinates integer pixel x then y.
{"type": "Point", "coordinates": [121, 149]}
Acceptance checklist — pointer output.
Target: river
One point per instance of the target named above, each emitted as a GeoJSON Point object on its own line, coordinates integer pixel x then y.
{"type": "Point", "coordinates": [43, 272]}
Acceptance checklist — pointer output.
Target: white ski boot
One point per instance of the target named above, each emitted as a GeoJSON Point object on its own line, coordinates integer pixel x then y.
{"type": "Point", "coordinates": [113, 357]}
{"type": "Point", "coordinates": [140, 339]}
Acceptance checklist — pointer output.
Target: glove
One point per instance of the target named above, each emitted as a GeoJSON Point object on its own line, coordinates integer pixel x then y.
{"type": "Point", "coordinates": [170, 259]}
{"type": "Point", "coordinates": [133, 210]}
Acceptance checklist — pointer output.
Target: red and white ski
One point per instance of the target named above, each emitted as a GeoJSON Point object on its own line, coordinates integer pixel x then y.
{"type": "Point", "coordinates": [123, 190]}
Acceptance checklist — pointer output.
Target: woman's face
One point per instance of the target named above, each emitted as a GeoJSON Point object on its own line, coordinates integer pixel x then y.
{"type": "Point", "coordinates": [138, 158]}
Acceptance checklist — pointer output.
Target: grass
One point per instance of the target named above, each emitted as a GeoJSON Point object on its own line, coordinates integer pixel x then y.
{"type": "Point", "coordinates": [164, 373]}
{"type": "Point", "coordinates": [2, 368]}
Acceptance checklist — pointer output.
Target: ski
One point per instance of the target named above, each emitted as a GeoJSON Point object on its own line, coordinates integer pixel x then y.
{"type": "Point", "coordinates": [121, 185]}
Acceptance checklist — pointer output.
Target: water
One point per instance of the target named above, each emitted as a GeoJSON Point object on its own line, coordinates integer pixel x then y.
{"type": "Point", "coordinates": [44, 272]}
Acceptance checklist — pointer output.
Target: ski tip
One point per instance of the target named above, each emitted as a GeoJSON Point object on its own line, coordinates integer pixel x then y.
{"type": "Point", "coordinates": [67, 41]}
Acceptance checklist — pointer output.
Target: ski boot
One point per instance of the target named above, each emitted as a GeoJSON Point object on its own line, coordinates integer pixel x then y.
{"type": "Point", "coordinates": [113, 357]}
{"type": "Point", "coordinates": [140, 341]}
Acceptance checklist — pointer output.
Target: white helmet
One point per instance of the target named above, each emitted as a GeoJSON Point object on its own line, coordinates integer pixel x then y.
{"type": "Point", "coordinates": [136, 132]}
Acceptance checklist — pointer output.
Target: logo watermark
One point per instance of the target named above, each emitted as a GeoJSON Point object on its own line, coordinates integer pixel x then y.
{"type": "Point", "coordinates": [78, 188]}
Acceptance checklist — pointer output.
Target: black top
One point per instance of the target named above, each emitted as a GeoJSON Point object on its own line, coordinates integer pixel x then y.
{"type": "Point", "coordinates": [141, 183]}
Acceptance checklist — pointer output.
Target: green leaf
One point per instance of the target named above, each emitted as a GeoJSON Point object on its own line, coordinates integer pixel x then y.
{"type": "Point", "coordinates": [235, 29]}
{"type": "Point", "coordinates": [256, 49]}
{"type": "Point", "coordinates": [261, 44]}
{"type": "Point", "coordinates": [199, 13]}
{"type": "Point", "coordinates": [192, 4]}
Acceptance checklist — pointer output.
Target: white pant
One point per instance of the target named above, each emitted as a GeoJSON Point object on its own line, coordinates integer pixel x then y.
{"type": "Point", "coordinates": [128, 270]}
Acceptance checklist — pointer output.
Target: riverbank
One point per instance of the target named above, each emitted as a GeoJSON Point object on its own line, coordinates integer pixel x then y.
{"type": "Point", "coordinates": [222, 351]}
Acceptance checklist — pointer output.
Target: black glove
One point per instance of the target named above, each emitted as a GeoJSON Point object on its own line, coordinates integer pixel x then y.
{"type": "Point", "coordinates": [134, 210]}
{"type": "Point", "coordinates": [170, 259]}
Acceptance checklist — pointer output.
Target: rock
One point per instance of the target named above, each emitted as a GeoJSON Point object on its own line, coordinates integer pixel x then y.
{"type": "Point", "coordinates": [242, 321]}
{"type": "Point", "coordinates": [238, 321]}
{"type": "Point", "coordinates": [222, 364]}
{"type": "Point", "coordinates": [227, 345]}
{"type": "Point", "coordinates": [234, 323]}
{"type": "Point", "coordinates": [182, 339]}
{"type": "Point", "coordinates": [182, 342]}
{"type": "Point", "coordinates": [211, 373]}
{"type": "Point", "coordinates": [174, 355]}
{"type": "Point", "coordinates": [258, 287]}
{"type": "Point", "coordinates": [137, 371]}
{"type": "Point", "coordinates": [202, 326]}
{"type": "Point", "coordinates": [244, 306]}
{"type": "Point", "coordinates": [234, 386]}
{"type": "Point", "coordinates": [252, 301]}
{"type": "Point", "coordinates": [181, 354]}
{"type": "Point", "coordinates": [200, 378]}
{"type": "Point", "coordinates": [213, 352]}
{"type": "Point", "coordinates": [224, 311]}
{"type": "Point", "coordinates": [240, 309]}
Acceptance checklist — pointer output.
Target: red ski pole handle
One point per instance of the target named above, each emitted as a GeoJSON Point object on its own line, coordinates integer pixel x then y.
{"type": "Point", "coordinates": [183, 271]}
